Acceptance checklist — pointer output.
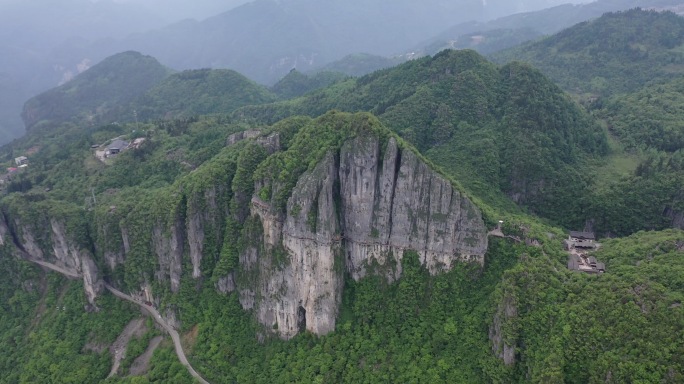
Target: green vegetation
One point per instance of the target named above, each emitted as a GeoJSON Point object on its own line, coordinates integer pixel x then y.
{"type": "Point", "coordinates": [625, 67]}
{"type": "Point", "coordinates": [479, 123]}
{"type": "Point", "coordinates": [618, 52]}
{"type": "Point", "coordinates": [173, 215]}
{"type": "Point", "coordinates": [622, 326]}
{"type": "Point", "coordinates": [419, 328]}
{"type": "Point", "coordinates": [296, 83]}
{"type": "Point", "coordinates": [200, 92]}
{"type": "Point", "coordinates": [50, 336]}
{"type": "Point", "coordinates": [96, 95]}
{"type": "Point", "coordinates": [359, 64]}
{"type": "Point", "coordinates": [130, 87]}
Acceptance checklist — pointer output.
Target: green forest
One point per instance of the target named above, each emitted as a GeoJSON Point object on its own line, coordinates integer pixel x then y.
{"type": "Point", "coordinates": [579, 130]}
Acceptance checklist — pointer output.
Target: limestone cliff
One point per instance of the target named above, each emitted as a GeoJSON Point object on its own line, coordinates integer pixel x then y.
{"type": "Point", "coordinates": [55, 246]}
{"type": "Point", "coordinates": [359, 209]}
{"type": "Point", "coordinates": [351, 202]}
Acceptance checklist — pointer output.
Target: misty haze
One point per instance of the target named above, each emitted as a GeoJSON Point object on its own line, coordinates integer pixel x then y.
{"type": "Point", "coordinates": [341, 191]}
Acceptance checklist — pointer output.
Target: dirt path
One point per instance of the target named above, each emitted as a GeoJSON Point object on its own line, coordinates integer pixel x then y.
{"type": "Point", "coordinates": [66, 272]}
{"type": "Point", "coordinates": [118, 349]}
{"type": "Point", "coordinates": [141, 364]}
{"type": "Point", "coordinates": [149, 309]}
{"type": "Point", "coordinates": [171, 331]}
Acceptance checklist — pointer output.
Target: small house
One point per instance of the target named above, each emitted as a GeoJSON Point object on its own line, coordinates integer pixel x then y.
{"type": "Point", "coordinates": [116, 147]}
{"type": "Point", "coordinates": [581, 239]}
{"type": "Point", "coordinates": [574, 262]}
{"type": "Point", "coordinates": [21, 160]}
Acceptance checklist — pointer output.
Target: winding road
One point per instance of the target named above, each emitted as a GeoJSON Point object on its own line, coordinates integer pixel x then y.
{"type": "Point", "coordinates": [157, 317]}
{"type": "Point", "coordinates": [147, 308]}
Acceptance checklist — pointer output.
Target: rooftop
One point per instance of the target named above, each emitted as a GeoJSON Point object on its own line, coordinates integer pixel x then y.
{"type": "Point", "coordinates": [582, 235]}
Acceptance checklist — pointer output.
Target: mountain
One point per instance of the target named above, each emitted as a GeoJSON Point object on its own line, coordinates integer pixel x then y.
{"type": "Point", "coordinates": [296, 83]}
{"type": "Point", "coordinates": [624, 66]}
{"type": "Point", "coordinates": [201, 92]}
{"type": "Point", "coordinates": [491, 36]}
{"type": "Point", "coordinates": [265, 39]}
{"type": "Point", "coordinates": [359, 64]}
{"type": "Point", "coordinates": [618, 52]}
{"type": "Point", "coordinates": [460, 109]}
{"type": "Point", "coordinates": [95, 94]}
{"type": "Point", "coordinates": [130, 86]}
{"type": "Point", "coordinates": [38, 40]}
{"type": "Point", "coordinates": [46, 43]}
{"type": "Point", "coordinates": [336, 247]}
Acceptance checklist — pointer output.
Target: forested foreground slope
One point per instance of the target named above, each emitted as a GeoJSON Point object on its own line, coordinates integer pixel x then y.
{"type": "Point", "coordinates": [334, 247]}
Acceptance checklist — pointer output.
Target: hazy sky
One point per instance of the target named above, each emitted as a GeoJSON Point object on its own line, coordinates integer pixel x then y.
{"type": "Point", "coordinates": [181, 9]}
{"type": "Point", "coordinates": [173, 10]}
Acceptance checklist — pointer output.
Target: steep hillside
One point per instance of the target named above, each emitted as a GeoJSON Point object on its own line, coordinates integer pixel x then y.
{"type": "Point", "coordinates": [130, 86]}
{"type": "Point", "coordinates": [583, 328]}
{"type": "Point", "coordinates": [508, 31]}
{"type": "Point", "coordinates": [284, 220]}
{"type": "Point", "coordinates": [626, 68]}
{"type": "Point", "coordinates": [200, 92]}
{"type": "Point", "coordinates": [618, 52]}
{"type": "Point", "coordinates": [494, 128]}
{"type": "Point", "coordinates": [97, 93]}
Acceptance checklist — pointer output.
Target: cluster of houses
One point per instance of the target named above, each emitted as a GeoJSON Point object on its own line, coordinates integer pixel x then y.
{"type": "Point", "coordinates": [578, 244]}
{"type": "Point", "coordinates": [20, 163]}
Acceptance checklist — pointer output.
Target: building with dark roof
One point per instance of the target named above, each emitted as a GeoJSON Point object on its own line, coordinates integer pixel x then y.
{"type": "Point", "coordinates": [116, 147]}
{"type": "Point", "coordinates": [578, 239]}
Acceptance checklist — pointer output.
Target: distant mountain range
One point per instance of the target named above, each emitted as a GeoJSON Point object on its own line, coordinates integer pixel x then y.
{"type": "Point", "coordinates": [262, 40]}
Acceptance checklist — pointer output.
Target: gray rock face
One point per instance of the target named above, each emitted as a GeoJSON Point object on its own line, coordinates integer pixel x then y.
{"type": "Point", "coordinates": [226, 284]}
{"type": "Point", "coordinates": [66, 254]}
{"type": "Point", "coordinates": [270, 143]}
{"type": "Point", "coordinates": [28, 242]}
{"type": "Point", "coordinates": [92, 283]}
{"type": "Point", "coordinates": [304, 293]}
{"type": "Point", "coordinates": [355, 212]}
{"type": "Point", "coordinates": [344, 214]}
{"type": "Point", "coordinates": [169, 251]}
{"type": "Point", "coordinates": [4, 231]}
{"type": "Point", "coordinates": [196, 241]}
{"type": "Point", "coordinates": [244, 135]}
{"type": "Point", "coordinates": [401, 204]}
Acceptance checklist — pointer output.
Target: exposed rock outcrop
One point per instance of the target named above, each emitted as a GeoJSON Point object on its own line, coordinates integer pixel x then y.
{"type": "Point", "coordinates": [169, 251]}
{"type": "Point", "coordinates": [355, 211]}
{"type": "Point", "coordinates": [242, 135]}
{"type": "Point", "coordinates": [358, 207]}
{"type": "Point", "coordinates": [57, 247]}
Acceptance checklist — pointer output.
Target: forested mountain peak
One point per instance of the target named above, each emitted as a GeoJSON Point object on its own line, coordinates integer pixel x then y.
{"type": "Point", "coordinates": [116, 80]}
{"type": "Point", "coordinates": [508, 128]}
{"type": "Point", "coordinates": [201, 92]}
{"type": "Point", "coordinates": [617, 52]}
{"type": "Point", "coordinates": [129, 86]}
